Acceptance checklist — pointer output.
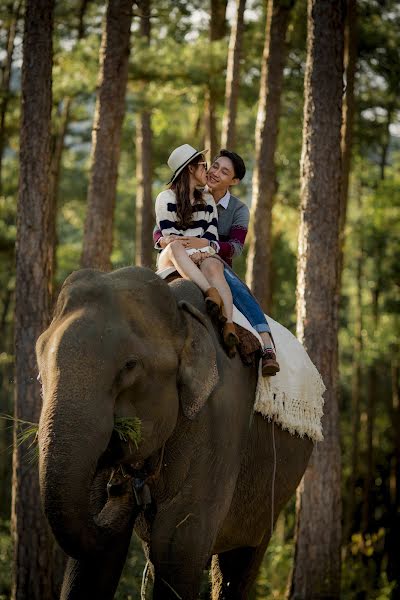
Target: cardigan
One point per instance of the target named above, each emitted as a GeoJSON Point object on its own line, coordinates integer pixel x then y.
{"type": "Point", "coordinates": [233, 224]}
{"type": "Point", "coordinates": [204, 223]}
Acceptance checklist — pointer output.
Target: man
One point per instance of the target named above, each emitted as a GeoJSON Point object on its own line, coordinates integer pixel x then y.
{"type": "Point", "coordinates": [228, 169]}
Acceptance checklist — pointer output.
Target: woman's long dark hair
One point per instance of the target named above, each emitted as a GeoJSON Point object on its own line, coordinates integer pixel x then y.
{"type": "Point", "coordinates": [181, 187]}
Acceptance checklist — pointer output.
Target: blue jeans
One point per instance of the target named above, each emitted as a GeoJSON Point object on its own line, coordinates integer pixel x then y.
{"type": "Point", "coordinates": [244, 301]}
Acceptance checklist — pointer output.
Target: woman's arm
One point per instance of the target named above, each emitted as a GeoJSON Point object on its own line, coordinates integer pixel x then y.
{"type": "Point", "coordinates": [210, 233]}
{"type": "Point", "coordinates": [166, 215]}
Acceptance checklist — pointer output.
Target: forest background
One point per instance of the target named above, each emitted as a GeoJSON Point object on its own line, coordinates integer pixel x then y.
{"type": "Point", "coordinates": [176, 93]}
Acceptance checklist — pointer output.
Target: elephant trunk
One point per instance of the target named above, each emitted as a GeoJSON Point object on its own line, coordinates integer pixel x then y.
{"type": "Point", "coordinates": [73, 435]}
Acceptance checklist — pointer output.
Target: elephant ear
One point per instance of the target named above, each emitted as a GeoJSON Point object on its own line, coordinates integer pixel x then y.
{"type": "Point", "coordinates": [198, 371]}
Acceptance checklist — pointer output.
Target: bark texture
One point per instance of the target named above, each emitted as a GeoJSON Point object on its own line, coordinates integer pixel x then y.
{"type": "Point", "coordinates": [350, 64]}
{"type": "Point", "coordinates": [144, 171]}
{"type": "Point", "coordinates": [58, 148]}
{"type": "Point", "coordinates": [356, 385]}
{"type": "Point", "coordinates": [33, 549]}
{"type": "Point", "coordinates": [258, 274]}
{"type": "Point", "coordinates": [217, 32]}
{"type": "Point", "coordinates": [316, 571]}
{"type": "Point", "coordinates": [228, 136]}
{"type": "Point", "coordinates": [6, 76]}
{"type": "Point", "coordinates": [106, 136]}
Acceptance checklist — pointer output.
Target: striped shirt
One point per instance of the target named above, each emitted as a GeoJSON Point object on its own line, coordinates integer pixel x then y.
{"type": "Point", "coordinates": [204, 223]}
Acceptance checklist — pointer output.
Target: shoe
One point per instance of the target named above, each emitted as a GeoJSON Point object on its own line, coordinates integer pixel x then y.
{"type": "Point", "coordinates": [214, 303]}
{"type": "Point", "coordinates": [270, 365]}
{"type": "Point", "coordinates": [230, 338]}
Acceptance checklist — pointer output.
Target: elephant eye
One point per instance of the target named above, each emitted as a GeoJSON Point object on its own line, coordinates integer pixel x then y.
{"type": "Point", "coordinates": [130, 364]}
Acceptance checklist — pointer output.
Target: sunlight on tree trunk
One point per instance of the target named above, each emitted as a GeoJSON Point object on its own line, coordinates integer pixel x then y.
{"type": "Point", "coordinates": [217, 32]}
{"type": "Point", "coordinates": [356, 383]}
{"type": "Point", "coordinates": [228, 136]}
{"type": "Point", "coordinates": [33, 546]}
{"type": "Point", "coordinates": [316, 572]}
{"type": "Point", "coordinates": [258, 275]}
{"type": "Point", "coordinates": [106, 136]}
{"type": "Point", "coordinates": [350, 64]}
{"type": "Point", "coordinates": [6, 77]}
{"type": "Point", "coordinates": [144, 172]}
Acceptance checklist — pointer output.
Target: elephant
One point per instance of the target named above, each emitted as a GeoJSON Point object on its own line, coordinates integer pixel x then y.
{"type": "Point", "coordinates": [205, 484]}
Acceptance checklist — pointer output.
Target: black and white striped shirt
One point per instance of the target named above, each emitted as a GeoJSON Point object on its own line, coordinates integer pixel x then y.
{"type": "Point", "coordinates": [204, 223]}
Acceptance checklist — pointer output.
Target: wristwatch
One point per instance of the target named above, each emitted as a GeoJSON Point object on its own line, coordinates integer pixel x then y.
{"type": "Point", "coordinates": [214, 245]}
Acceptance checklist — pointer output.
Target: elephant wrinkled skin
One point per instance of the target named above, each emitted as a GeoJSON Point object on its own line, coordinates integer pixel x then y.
{"type": "Point", "coordinates": [127, 344]}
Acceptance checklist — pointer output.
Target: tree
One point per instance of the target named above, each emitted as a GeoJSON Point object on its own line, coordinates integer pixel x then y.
{"type": "Point", "coordinates": [228, 136]}
{"type": "Point", "coordinates": [106, 135]}
{"type": "Point", "coordinates": [15, 13]}
{"type": "Point", "coordinates": [217, 32]}
{"type": "Point", "coordinates": [58, 141]}
{"type": "Point", "coordinates": [264, 177]}
{"type": "Point", "coordinates": [350, 60]}
{"type": "Point", "coordinates": [144, 174]}
{"type": "Point", "coordinates": [33, 577]}
{"type": "Point", "coordinates": [316, 571]}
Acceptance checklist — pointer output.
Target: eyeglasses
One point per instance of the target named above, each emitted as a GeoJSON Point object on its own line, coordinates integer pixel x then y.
{"type": "Point", "coordinates": [203, 163]}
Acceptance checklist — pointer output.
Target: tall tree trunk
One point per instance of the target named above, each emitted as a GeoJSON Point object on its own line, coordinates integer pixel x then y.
{"type": "Point", "coordinates": [368, 508]}
{"type": "Point", "coordinates": [350, 63]}
{"type": "Point", "coordinates": [106, 136]}
{"type": "Point", "coordinates": [258, 274]}
{"type": "Point", "coordinates": [33, 576]}
{"type": "Point", "coordinates": [228, 136]}
{"type": "Point", "coordinates": [57, 150]}
{"type": "Point", "coordinates": [316, 571]}
{"type": "Point", "coordinates": [15, 13]}
{"type": "Point", "coordinates": [385, 143]}
{"type": "Point", "coordinates": [144, 201]}
{"type": "Point", "coordinates": [217, 32]}
{"type": "Point", "coordinates": [356, 385]}
{"type": "Point", "coordinates": [55, 169]}
{"type": "Point", "coordinates": [393, 538]}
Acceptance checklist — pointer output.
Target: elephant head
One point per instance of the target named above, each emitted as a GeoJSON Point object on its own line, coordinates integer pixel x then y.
{"type": "Point", "coordinates": [119, 345]}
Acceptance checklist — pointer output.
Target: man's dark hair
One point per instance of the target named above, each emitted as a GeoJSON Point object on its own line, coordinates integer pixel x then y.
{"type": "Point", "coordinates": [237, 161]}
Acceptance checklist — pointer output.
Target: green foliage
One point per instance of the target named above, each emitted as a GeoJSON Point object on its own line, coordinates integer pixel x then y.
{"type": "Point", "coordinates": [170, 78]}
{"type": "Point", "coordinates": [128, 429]}
{"type": "Point", "coordinates": [5, 560]}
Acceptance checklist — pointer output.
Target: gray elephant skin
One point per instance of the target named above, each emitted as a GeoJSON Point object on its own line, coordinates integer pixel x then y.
{"type": "Point", "coordinates": [128, 344]}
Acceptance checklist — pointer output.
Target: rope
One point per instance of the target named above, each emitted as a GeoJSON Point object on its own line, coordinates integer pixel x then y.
{"type": "Point", "coordinates": [273, 478]}
{"type": "Point", "coordinates": [144, 581]}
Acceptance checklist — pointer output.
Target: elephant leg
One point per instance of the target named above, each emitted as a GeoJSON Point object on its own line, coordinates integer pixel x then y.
{"type": "Point", "coordinates": [179, 577]}
{"type": "Point", "coordinates": [234, 572]}
{"type": "Point", "coordinates": [180, 550]}
{"type": "Point", "coordinates": [98, 576]}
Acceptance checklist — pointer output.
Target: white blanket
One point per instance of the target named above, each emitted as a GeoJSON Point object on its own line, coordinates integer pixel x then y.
{"type": "Point", "coordinates": [292, 397]}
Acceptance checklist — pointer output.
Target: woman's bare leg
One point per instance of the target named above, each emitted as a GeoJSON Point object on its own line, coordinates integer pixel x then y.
{"type": "Point", "coordinates": [213, 270]}
{"type": "Point", "coordinates": [175, 255]}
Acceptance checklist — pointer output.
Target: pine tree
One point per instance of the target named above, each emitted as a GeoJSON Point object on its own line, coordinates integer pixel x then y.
{"type": "Point", "coordinates": [106, 136]}
{"type": "Point", "coordinates": [33, 576]}
{"type": "Point", "coordinates": [318, 531]}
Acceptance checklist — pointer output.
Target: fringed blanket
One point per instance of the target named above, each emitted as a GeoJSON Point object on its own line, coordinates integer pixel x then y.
{"type": "Point", "coordinates": [293, 397]}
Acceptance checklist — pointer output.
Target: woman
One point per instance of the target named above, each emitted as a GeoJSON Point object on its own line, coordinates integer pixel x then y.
{"type": "Point", "coordinates": [188, 218]}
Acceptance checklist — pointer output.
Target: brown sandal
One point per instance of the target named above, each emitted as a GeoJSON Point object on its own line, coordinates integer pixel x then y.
{"type": "Point", "coordinates": [230, 338]}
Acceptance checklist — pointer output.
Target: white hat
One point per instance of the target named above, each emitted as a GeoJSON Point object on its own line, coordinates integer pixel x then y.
{"type": "Point", "coordinates": [180, 157]}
